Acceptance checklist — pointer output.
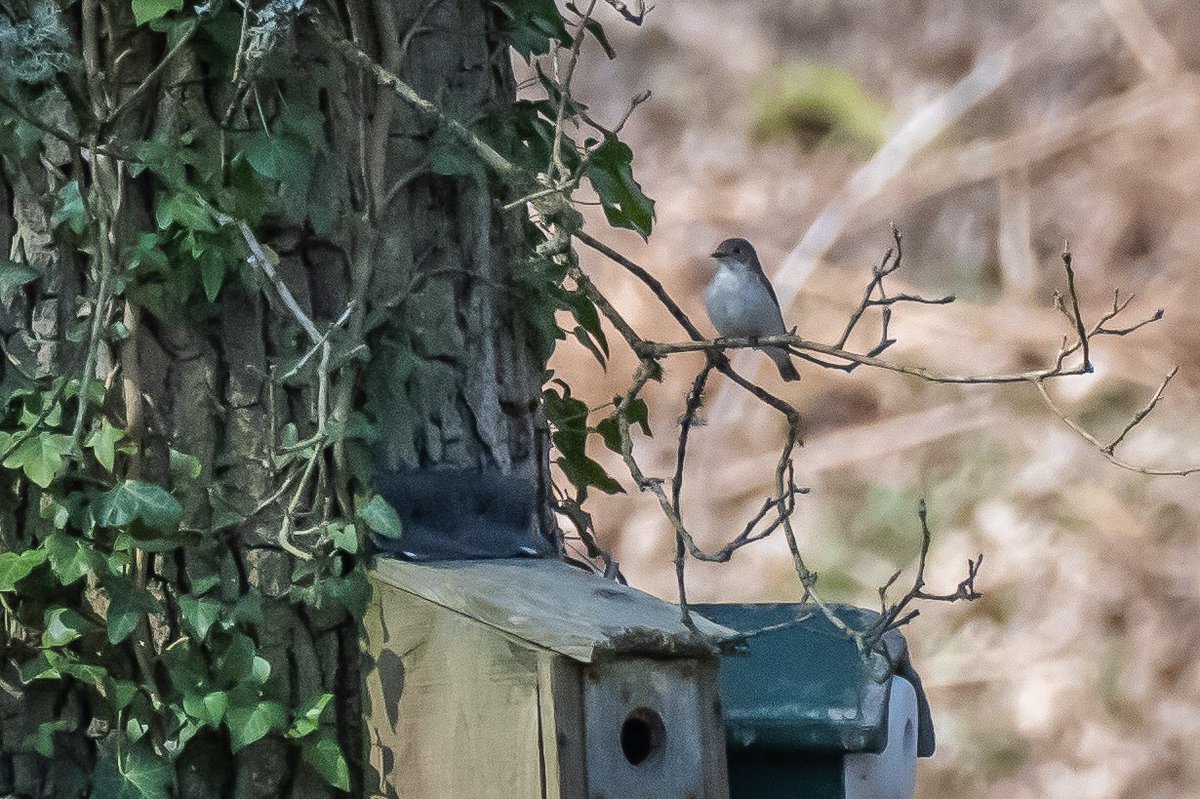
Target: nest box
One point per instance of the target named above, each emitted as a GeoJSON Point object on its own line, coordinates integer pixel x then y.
{"type": "Point", "coordinates": [808, 717]}
{"type": "Point", "coordinates": [531, 679]}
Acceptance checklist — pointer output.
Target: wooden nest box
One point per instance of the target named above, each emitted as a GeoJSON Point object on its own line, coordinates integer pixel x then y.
{"type": "Point", "coordinates": [524, 679]}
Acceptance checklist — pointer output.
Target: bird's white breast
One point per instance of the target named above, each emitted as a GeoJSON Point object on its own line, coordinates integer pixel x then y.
{"type": "Point", "coordinates": [739, 306]}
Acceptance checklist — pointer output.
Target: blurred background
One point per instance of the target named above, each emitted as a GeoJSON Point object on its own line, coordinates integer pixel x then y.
{"type": "Point", "coordinates": [989, 132]}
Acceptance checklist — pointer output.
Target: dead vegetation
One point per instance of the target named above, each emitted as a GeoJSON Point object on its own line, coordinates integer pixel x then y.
{"type": "Point", "coordinates": [1008, 133]}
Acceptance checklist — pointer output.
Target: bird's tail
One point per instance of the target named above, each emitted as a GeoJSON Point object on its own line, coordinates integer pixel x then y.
{"type": "Point", "coordinates": [784, 362]}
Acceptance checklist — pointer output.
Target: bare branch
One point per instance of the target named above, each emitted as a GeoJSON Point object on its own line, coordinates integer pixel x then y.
{"type": "Point", "coordinates": [899, 613]}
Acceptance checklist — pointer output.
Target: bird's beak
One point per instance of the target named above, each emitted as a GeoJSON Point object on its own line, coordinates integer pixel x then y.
{"type": "Point", "coordinates": [718, 253]}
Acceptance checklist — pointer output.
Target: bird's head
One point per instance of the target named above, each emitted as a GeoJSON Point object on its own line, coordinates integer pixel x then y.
{"type": "Point", "coordinates": [735, 251]}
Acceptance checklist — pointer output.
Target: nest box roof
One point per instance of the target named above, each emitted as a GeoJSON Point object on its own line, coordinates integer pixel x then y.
{"type": "Point", "coordinates": [552, 605]}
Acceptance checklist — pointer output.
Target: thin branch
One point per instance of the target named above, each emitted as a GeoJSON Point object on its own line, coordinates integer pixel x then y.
{"type": "Point", "coordinates": [1143, 413]}
{"type": "Point", "coordinates": [1104, 448]}
{"type": "Point", "coordinates": [151, 76]}
{"type": "Point", "coordinates": [898, 614]}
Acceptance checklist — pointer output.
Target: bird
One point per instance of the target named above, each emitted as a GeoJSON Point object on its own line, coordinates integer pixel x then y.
{"type": "Point", "coordinates": [741, 303]}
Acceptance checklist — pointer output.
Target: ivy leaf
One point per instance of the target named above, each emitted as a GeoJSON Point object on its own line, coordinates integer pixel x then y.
{"type": "Point", "coordinates": [151, 776]}
{"type": "Point", "coordinates": [184, 466]}
{"type": "Point", "coordinates": [309, 716]}
{"type": "Point", "coordinates": [326, 758]}
{"type": "Point", "coordinates": [148, 10]}
{"type": "Point", "coordinates": [531, 25]}
{"type": "Point", "coordinates": [42, 741]}
{"type": "Point", "coordinates": [609, 169]}
{"type": "Point", "coordinates": [103, 441]}
{"type": "Point", "coordinates": [583, 471]}
{"type": "Point", "coordinates": [594, 28]}
{"type": "Point", "coordinates": [134, 499]}
{"type": "Point", "coordinates": [12, 277]}
{"type": "Point", "coordinates": [248, 724]}
{"type": "Point", "coordinates": [46, 665]}
{"type": "Point", "coordinates": [448, 156]}
{"type": "Point", "coordinates": [207, 708]}
{"type": "Point", "coordinates": [180, 208]}
{"type": "Point", "coordinates": [126, 605]}
{"type": "Point", "coordinates": [68, 208]}
{"type": "Point", "coordinates": [381, 517]}
{"type": "Point", "coordinates": [212, 273]}
{"type": "Point", "coordinates": [584, 311]}
{"type": "Point", "coordinates": [70, 557]}
{"type": "Point", "coordinates": [637, 412]}
{"type": "Point", "coordinates": [200, 613]}
{"type": "Point", "coordinates": [344, 537]}
{"type": "Point", "coordinates": [41, 456]}
{"type": "Point", "coordinates": [589, 344]}
{"type": "Point", "coordinates": [62, 626]}
{"type": "Point", "coordinates": [120, 693]}
{"type": "Point", "coordinates": [15, 567]}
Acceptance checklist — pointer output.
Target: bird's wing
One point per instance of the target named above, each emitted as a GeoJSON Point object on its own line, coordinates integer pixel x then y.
{"type": "Point", "coordinates": [763, 281]}
{"type": "Point", "coordinates": [761, 277]}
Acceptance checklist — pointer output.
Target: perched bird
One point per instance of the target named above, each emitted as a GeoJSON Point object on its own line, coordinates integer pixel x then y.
{"type": "Point", "coordinates": [742, 304]}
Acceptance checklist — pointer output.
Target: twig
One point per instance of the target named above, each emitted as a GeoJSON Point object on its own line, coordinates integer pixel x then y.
{"type": "Point", "coordinates": [260, 259]}
{"type": "Point", "coordinates": [1102, 447]}
{"type": "Point", "coordinates": [152, 76]}
{"type": "Point", "coordinates": [897, 615]}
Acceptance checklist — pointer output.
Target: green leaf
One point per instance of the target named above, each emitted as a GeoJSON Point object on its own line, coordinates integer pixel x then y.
{"type": "Point", "coordinates": [152, 776]}
{"type": "Point", "coordinates": [594, 28]}
{"type": "Point", "coordinates": [448, 156]}
{"type": "Point", "coordinates": [531, 25]}
{"type": "Point", "coordinates": [381, 517]}
{"type": "Point", "coordinates": [260, 669]}
{"type": "Point", "coordinates": [584, 311]}
{"type": "Point", "coordinates": [212, 274]}
{"type": "Point", "coordinates": [252, 723]}
{"type": "Point", "coordinates": [308, 716]}
{"type": "Point", "coordinates": [344, 537]}
{"type": "Point", "coordinates": [586, 472]}
{"type": "Point", "coordinates": [207, 708]}
{"type": "Point", "coordinates": [42, 741]}
{"type": "Point", "coordinates": [120, 693]}
{"type": "Point", "coordinates": [609, 169]}
{"type": "Point", "coordinates": [41, 456]}
{"type": "Point", "coordinates": [62, 626]}
{"type": "Point", "coordinates": [12, 277]}
{"type": "Point", "coordinates": [180, 208]}
{"type": "Point", "coordinates": [134, 499]}
{"type": "Point", "coordinates": [147, 10]}
{"type": "Point", "coordinates": [282, 157]}
{"type": "Point", "coordinates": [238, 660]}
{"type": "Point", "coordinates": [325, 757]}
{"type": "Point", "coordinates": [69, 208]}
{"type": "Point", "coordinates": [589, 344]}
{"type": "Point", "coordinates": [352, 591]}
{"type": "Point", "coordinates": [46, 665]}
{"type": "Point", "coordinates": [637, 412]}
{"type": "Point", "coordinates": [200, 613]}
{"type": "Point", "coordinates": [136, 728]}
{"type": "Point", "coordinates": [15, 567]}
{"type": "Point", "coordinates": [126, 606]}
{"type": "Point", "coordinates": [103, 441]}
{"type": "Point", "coordinates": [71, 558]}
{"type": "Point", "coordinates": [184, 466]}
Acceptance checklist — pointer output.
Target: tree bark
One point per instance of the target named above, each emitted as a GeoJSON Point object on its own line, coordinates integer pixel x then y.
{"type": "Point", "coordinates": [439, 358]}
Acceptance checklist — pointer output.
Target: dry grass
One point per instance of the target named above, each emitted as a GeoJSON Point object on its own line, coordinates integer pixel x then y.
{"type": "Point", "coordinates": [1078, 675]}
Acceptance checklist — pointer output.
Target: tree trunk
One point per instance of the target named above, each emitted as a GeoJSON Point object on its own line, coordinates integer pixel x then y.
{"type": "Point", "coordinates": [432, 355]}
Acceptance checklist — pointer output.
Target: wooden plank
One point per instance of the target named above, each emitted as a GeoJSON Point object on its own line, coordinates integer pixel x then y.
{"type": "Point", "coordinates": [560, 694]}
{"type": "Point", "coordinates": [453, 704]}
{"type": "Point", "coordinates": [554, 606]}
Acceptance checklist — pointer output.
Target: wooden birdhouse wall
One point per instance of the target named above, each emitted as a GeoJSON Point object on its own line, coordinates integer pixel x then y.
{"type": "Point", "coordinates": [472, 694]}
